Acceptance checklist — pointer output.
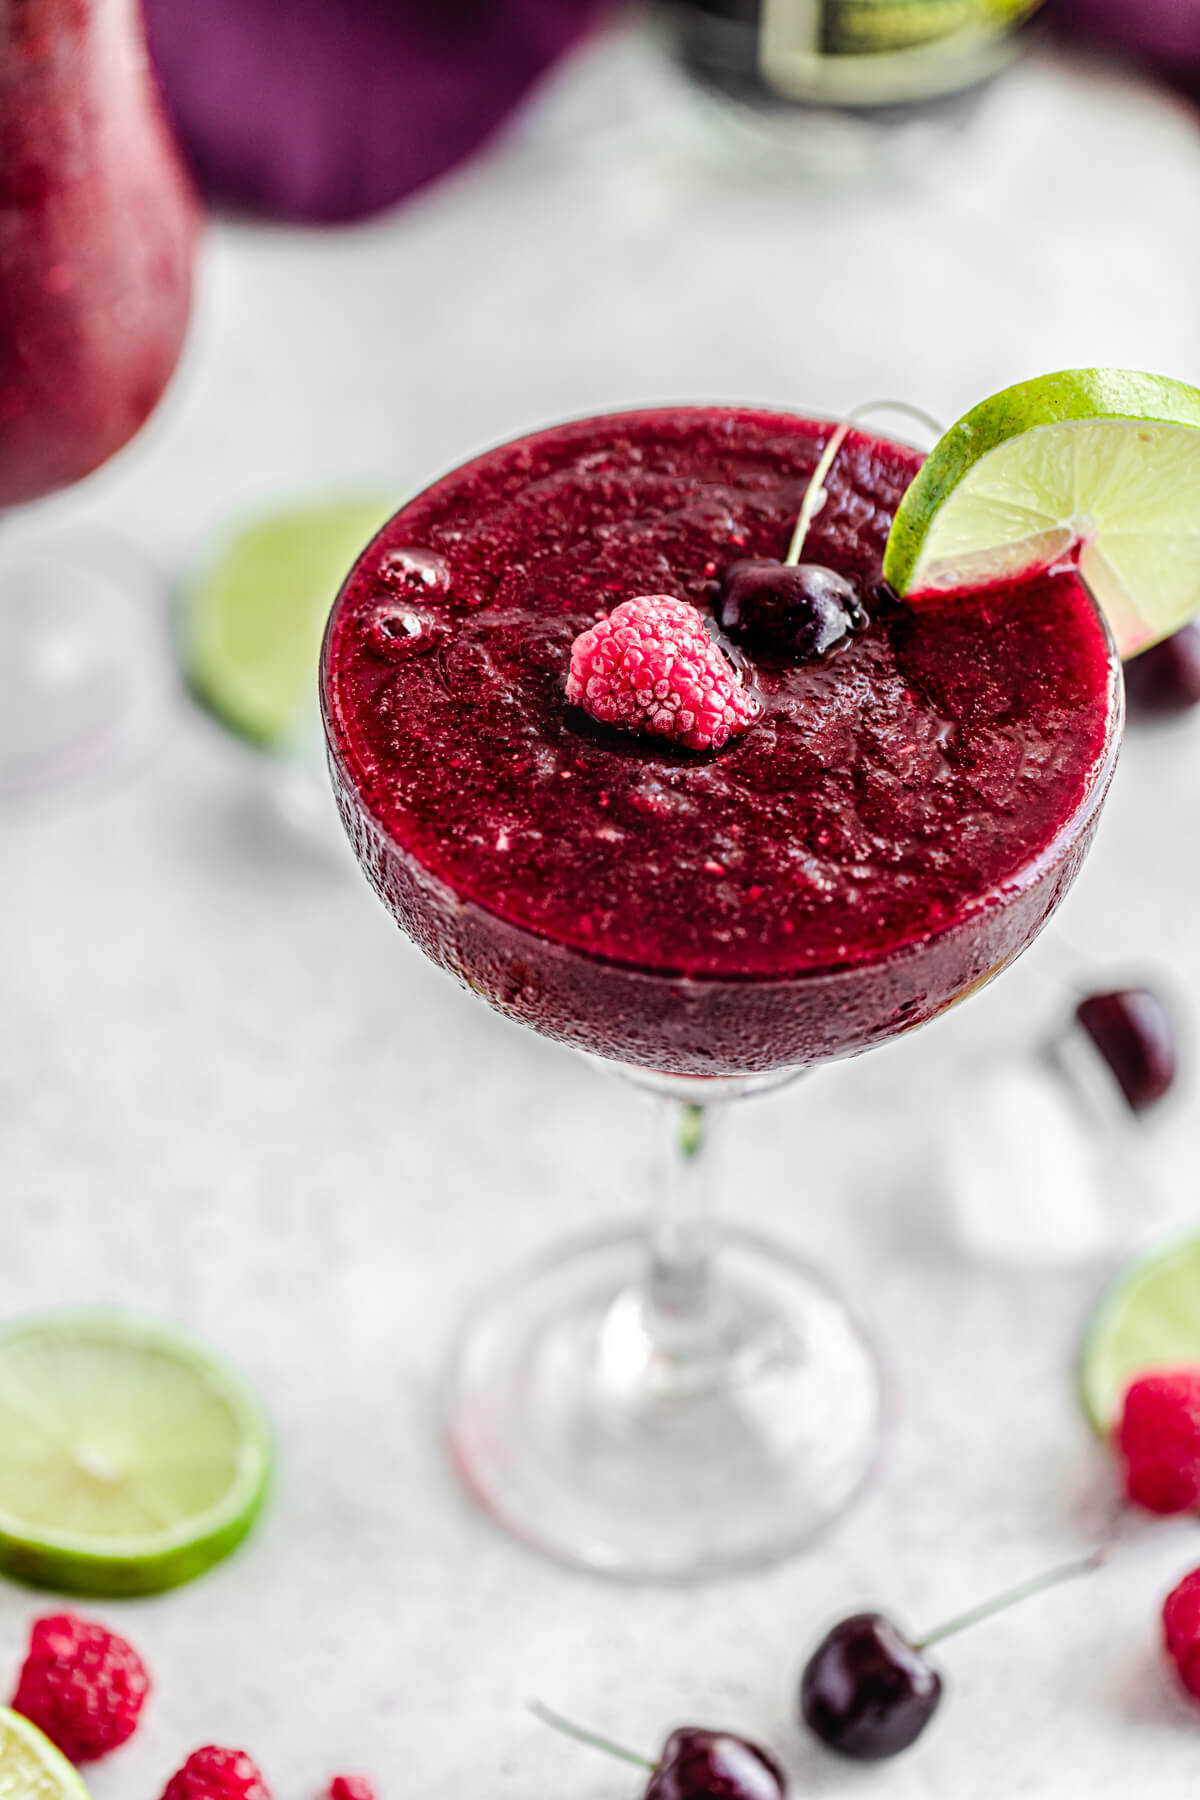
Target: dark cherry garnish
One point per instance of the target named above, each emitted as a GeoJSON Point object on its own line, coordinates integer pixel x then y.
{"type": "Point", "coordinates": [1166, 678]}
{"type": "Point", "coordinates": [866, 1691]}
{"type": "Point", "coordinates": [712, 1765]}
{"type": "Point", "coordinates": [694, 1764]}
{"type": "Point", "coordinates": [869, 1692]}
{"type": "Point", "coordinates": [800, 611]}
{"type": "Point", "coordinates": [1132, 1030]}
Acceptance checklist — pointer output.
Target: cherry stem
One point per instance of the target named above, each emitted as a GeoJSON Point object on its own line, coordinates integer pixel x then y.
{"type": "Point", "coordinates": [1083, 1565]}
{"type": "Point", "coordinates": [693, 1123]}
{"type": "Point", "coordinates": [814, 493]}
{"type": "Point", "coordinates": [568, 1729]}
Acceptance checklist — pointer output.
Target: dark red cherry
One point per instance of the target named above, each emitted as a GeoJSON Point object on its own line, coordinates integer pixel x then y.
{"type": "Point", "coordinates": [1133, 1032]}
{"type": "Point", "coordinates": [712, 1765]}
{"type": "Point", "coordinates": [866, 1691]}
{"type": "Point", "coordinates": [799, 611]}
{"type": "Point", "coordinates": [694, 1765]}
{"type": "Point", "coordinates": [1166, 679]}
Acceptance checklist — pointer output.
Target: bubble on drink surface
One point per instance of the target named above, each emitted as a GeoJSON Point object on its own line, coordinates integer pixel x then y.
{"type": "Point", "coordinates": [409, 569]}
{"type": "Point", "coordinates": [395, 630]}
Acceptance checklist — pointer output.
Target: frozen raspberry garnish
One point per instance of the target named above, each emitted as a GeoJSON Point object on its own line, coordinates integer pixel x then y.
{"type": "Point", "coordinates": [1159, 1437]}
{"type": "Point", "coordinates": [216, 1774]}
{"type": "Point", "coordinates": [1181, 1630]}
{"type": "Point", "coordinates": [652, 667]}
{"type": "Point", "coordinates": [351, 1787]}
{"type": "Point", "coordinates": [81, 1685]}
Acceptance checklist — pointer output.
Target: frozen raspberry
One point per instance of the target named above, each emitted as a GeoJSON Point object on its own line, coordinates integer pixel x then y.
{"type": "Point", "coordinates": [351, 1787]}
{"type": "Point", "coordinates": [1159, 1437]}
{"type": "Point", "coordinates": [216, 1774]}
{"type": "Point", "coordinates": [1181, 1630]}
{"type": "Point", "coordinates": [82, 1685]}
{"type": "Point", "coordinates": [652, 667]}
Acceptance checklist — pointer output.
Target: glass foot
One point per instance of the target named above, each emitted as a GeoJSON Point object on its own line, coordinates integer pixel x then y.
{"type": "Point", "coordinates": [85, 667]}
{"type": "Point", "coordinates": [583, 1431]}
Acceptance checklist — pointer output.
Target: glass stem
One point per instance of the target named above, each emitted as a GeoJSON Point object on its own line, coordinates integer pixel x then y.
{"type": "Point", "coordinates": [679, 1294]}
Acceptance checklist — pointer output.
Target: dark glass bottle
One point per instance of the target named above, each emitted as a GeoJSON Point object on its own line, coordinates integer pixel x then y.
{"type": "Point", "coordinates": [870, 64]}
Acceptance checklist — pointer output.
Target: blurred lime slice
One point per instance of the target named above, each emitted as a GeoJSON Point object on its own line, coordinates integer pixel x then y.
{"type": "Point", "coordinates": [131, 1457]}
{"type": "Point", "coordinates": [1148, 1318]}
{"type": "Point", "coordinates": [252, 619]}
{"type": "Point", "coordinates": [1094, 467]}
{"type": "Point", "coordinates": [30, 1766]}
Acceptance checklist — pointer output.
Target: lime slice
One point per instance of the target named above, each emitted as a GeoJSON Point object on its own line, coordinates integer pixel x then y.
{"type": "Point", "coordinates": [131, 1458]}
{"type": "Point", "coordinates": [1149, 1318]}
{"type": "Point", "coordinates": [30, 1767]}
{"type": "Point", "coordinates": [251, 622]}
{"type": "Point", "coordinates": [1094, 467]}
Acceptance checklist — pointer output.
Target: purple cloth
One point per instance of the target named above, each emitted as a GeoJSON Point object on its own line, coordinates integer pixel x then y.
{"type": "Point", "coordinates": [1165, 33]}
{"type": "Point", "coordinates": [327, 110]}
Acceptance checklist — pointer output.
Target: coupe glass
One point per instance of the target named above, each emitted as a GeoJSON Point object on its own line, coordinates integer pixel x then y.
{"type": "Point", "coordinates": [680, 1398]}
{"type": "Point", "coordinates": [97, 227]}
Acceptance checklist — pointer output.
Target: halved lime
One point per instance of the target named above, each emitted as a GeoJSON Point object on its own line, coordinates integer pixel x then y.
{"type": "Point", "coordinates": [30, 1766]}
{"type": "Point", "coordinates": [1098, 468]}
{"type": "Point", "coordinates": [1148, 1318]}
{"type": "Point", "coordinates": [131, 1457]}
{"type": "Point", "coordinates": [251, 621]}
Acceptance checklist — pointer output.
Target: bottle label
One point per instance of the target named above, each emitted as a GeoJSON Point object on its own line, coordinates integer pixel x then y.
{"type": "Point", "coordinates": [876, 52]}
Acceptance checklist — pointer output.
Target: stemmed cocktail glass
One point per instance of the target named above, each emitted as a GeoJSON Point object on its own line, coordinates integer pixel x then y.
{"type": "Point", "coordinates": [680, 1400]}
{"type": "Point", "coordinates": [97, 227]}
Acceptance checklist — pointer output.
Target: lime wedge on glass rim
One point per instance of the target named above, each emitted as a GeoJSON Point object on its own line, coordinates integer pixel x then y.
{"type": "Point", "coordinates": [252, 618]}
{"type": "Point", "coordinates": [131, 1457]}
{"type": "Point", "coordinates": [1147, 1318]}
{"type": "Point", "coordinates": [1094, 469]}
{"type": "Point", "coordinates": [30, 1766]}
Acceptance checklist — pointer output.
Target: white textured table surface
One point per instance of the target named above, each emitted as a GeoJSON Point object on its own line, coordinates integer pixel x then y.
{"type": "Point", "coordinates": [231, 1093]}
